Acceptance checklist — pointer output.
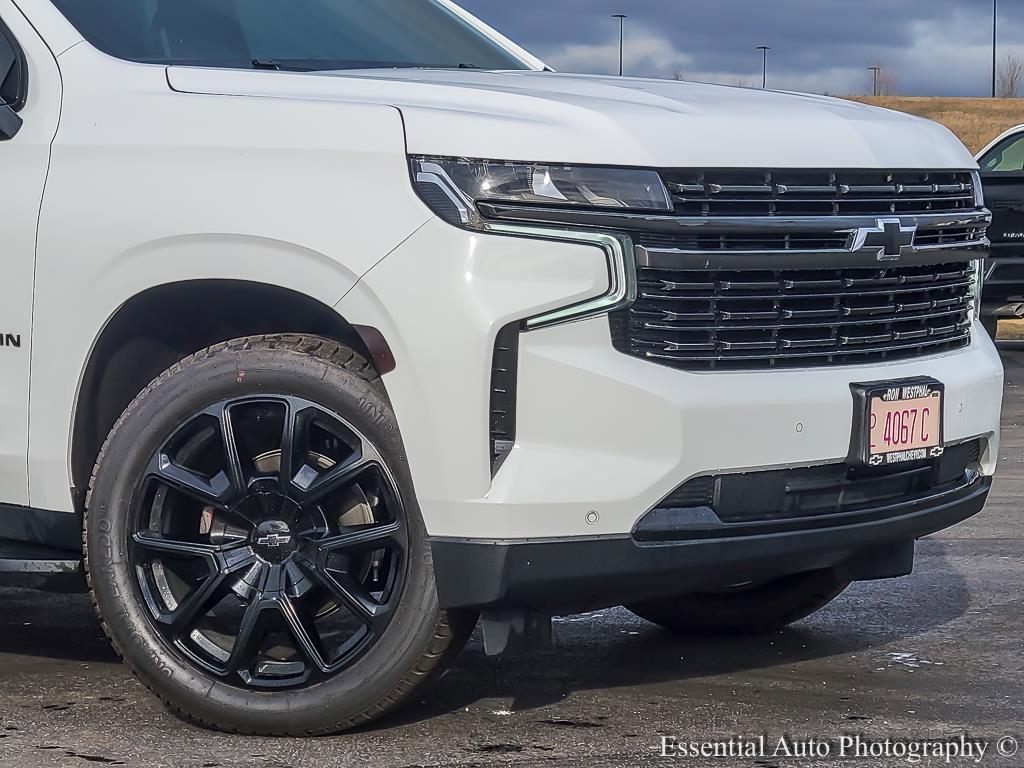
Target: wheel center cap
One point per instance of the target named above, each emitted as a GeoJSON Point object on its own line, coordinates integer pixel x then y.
{"type": "Point", "coordinates": [274, 541]}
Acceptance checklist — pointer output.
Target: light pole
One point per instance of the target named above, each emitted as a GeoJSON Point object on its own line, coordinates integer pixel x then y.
{"type": "Point", "coordinates": [622, 25]}
{"type": "Point", "coordinates": [874, 79]}
{"type": "Point", "coordinates": [764, 64]}
{"type": "Point", "coordinates": [995, 40]}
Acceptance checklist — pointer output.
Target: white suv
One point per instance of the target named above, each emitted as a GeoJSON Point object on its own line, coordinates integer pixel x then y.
{"type": "Point", "coordinates": [335, 325]}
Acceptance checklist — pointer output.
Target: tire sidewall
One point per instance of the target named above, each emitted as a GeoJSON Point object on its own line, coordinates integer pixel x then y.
{"type": "Point", "coordinates": [170, 401]}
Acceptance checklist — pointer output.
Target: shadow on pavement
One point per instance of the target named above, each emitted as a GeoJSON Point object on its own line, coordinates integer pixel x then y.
{"type": "Point", "coordinates": [608, 649]}
{"type": "Point", "coordinates": [51, 626]}
{"type": "Point", "coordinates": [613, 648]}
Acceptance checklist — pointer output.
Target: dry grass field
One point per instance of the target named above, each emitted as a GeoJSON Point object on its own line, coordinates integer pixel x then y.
{"type": "Point", "coordinates": [975, 121]}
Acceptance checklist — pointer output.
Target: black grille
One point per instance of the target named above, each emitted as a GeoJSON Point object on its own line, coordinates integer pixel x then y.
{"type": "Point", "coordinates": [818, 192]}
{"type": "Point", "coordinates": [791, 497]}
{"type": "Point", "coordinates": [744, 241]}
{"type": "Point", "coordinates": [949, 236]}
{"type": "Point", "coordinates": [753, 319]}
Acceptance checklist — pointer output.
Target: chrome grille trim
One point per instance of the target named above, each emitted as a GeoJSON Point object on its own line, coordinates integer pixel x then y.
{"type": "Point", "coordinates": [669, 258]}
{"type": "Point", "coordinates": [967, 242]}
{"type": "Point", "coordinates": [672, 224]}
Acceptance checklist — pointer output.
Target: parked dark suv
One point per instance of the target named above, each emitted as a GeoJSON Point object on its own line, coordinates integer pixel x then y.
{"type": "Point", "coordinates": [1002, 173]}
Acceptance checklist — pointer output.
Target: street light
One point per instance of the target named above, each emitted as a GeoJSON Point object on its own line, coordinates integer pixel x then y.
{"type": "Point", "coordinates": [874, 79]}
{"type": "Point", "coordinates": [622, 24]}
{"type": "Point", "coordinates": [764, 64]}
{"type": "Point", "coordinates": [995, 39]}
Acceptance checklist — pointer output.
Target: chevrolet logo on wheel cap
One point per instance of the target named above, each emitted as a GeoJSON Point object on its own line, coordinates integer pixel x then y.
{"type": "Point", "coordinates": [890, 240]}
{"type": "Point", "coordinates": [273, 540]}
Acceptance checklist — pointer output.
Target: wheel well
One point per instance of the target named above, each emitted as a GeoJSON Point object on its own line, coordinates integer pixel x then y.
{"type": "Point", "coordinates": [163, 325]}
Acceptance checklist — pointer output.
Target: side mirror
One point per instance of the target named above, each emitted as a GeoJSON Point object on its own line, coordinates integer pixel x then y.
{"type": "Point", "coordinates": [13, 78]}
{"type": "Point", "coordinates": [10, 122]}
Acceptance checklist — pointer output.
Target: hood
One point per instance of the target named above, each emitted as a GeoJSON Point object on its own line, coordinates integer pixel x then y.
{"type": "Point", "coordinates": [576, 119]}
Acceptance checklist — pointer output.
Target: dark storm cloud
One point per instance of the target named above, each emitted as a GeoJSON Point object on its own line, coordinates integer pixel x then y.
{"type": "Point", "coordinates": [928, 46]}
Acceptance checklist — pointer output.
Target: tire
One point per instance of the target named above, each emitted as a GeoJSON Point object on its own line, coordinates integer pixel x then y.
{"type": "Point", "coordinates": [747, 610]}
{"type": "Point", "coordinates": [251, 599]}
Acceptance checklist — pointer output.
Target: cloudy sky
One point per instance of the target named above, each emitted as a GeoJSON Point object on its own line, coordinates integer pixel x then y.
{"type": "Point", "coordinates": [929, 47]}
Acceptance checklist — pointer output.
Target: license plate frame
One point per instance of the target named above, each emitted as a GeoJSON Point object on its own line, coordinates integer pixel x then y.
{"type": "Point", "coordinates": [880, 397]}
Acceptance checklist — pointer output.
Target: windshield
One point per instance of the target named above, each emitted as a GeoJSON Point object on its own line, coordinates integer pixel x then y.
{"type": "Point", "coordinates": [287, 34]}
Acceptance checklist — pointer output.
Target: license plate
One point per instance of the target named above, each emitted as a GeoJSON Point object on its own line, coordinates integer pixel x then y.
{"type": "Point", "coordinates": [897, 422]}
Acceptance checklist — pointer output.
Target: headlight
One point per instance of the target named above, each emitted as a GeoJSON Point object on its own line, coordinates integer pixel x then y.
{"type": "Point", "coordinates": [453, 187]}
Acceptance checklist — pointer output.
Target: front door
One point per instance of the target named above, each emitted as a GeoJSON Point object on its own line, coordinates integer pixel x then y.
{"type": "Point", "coordinates": [30, 96]}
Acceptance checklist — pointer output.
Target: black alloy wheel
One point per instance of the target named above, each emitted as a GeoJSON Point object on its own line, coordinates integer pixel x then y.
{"type": "Point", "coordinates": [269, 543]}
{"type": "Point", "coordinates": [254, 545]}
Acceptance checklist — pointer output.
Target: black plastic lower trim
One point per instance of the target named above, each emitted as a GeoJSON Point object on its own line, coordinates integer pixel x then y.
{"type": "Point", "coordinates": [60, 530]}
{"type": "Point", "coordinates": [677, 523]}
{"type": "Point", "coordinates": [577, 575]}
{"type": "Point", "coordinates": [41, 549]}
{"type": "Point", "coordinates": [30, 565]}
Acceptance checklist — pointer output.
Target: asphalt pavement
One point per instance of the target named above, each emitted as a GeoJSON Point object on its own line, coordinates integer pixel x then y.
{"type": "Point", "coordinates": [935, 656]}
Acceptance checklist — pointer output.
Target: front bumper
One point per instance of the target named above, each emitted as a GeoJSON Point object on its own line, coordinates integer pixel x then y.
{"type": "Point", "coordinates": [578, 575]}
{"type": "Point", "coordinates": [601, 437]}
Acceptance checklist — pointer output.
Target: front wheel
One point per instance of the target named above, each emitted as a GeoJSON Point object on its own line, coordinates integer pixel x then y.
{"type": "Point", "coordinates": [747, 609]}
{"type": "Point", "coordinates": [254, 547]}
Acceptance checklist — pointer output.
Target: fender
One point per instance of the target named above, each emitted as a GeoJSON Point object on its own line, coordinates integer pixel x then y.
{"type": "Point", "coordinates": [303, 195]}
{"type": "Point", "coordinates": [232, 257]}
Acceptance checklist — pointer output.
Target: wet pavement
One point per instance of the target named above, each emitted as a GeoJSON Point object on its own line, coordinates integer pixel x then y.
{"type": "Point", "coordinates": [931, 656]}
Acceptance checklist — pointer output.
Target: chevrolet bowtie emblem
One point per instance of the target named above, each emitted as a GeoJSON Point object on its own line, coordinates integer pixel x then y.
{"type": "Point", "coordinates": [273, 540]}
{"type": "Point", "coordinates": [890, 240]}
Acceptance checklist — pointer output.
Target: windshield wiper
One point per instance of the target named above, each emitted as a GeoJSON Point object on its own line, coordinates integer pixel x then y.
{"type": "Point", "coordinates": [278, 66]}
{"type": "Point", "coordinates": [318, 65]}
